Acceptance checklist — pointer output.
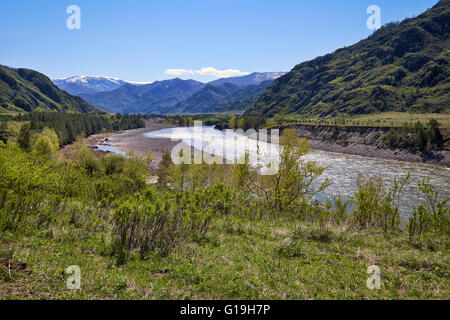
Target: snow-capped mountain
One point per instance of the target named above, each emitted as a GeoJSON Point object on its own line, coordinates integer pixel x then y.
{"type": "Point", "coordinates": [254, 78]}
{"type": "Point", "coordinates": [79, 85]}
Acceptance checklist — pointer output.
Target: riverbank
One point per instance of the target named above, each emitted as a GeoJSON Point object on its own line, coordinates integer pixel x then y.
{"type": "Point", "coordinates": [135, 142]}
{"type": "Point", "coordinates": [360, 141]}
{"type": "Point", "coordinates": [363, 141]}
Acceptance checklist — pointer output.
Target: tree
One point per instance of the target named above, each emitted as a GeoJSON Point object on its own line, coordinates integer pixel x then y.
{"type": "Point", "coordinates": [4, 135]}
{"type": "Point", "coordinates": [44, 146]}
{"type": "Point", "coordinates": [421, 138]}
{"type": "Point", "coordinates": [241, 123]}
{"type": "Point", "coordinates": [24, 138]}
{"type": "Point", "coordinates": [294, 182]}
{"type": "Point", "coordinates": [278, 120]}
{"type": "Point", "coordinates": [435, 135]}
{"type": "Point", "coordinates": [164, 168]}
{"type": "Point", "coordinates": [232, 123]}
{"type": "Point", "coordinates": [52, 136]}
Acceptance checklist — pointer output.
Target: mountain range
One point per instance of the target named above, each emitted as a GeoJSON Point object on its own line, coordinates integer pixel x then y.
{"type": "Point", "coordinates": [79, 85]}
{"type": "Point", "coordinates": [221, 98]}
{"type": "Point", "coordinates": [28, 90]}
{"type": "Point", "coordinates": [156, 97]}
{"type": "Point", "coordinates": [170, 96]}
{"type": "Point", "coordinates": [254, 78]}
{"type": "Point", "coordinates": [401, 67]}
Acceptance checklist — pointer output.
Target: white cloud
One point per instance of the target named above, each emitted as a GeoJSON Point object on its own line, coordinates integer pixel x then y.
{"type": "Point", "coordinates": [137, 82]}
{"type": "Point", "coordinates": [178, 72]}
{"type": "Point", "coordinates": [210, 71]}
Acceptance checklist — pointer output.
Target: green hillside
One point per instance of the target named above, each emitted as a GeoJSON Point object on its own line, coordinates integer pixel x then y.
{"type": "Point", "coordinates": [206, 99]}
{"type": "Point", "coordinates": [244, 98]}
{"type": "Point", "coordinates": [401, 67]}
{"type": "Point", "coordinates": [28, 90]}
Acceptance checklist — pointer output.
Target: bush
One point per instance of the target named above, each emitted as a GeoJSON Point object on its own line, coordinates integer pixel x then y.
{"type": "Point", "coordinates": [376, 207]}
{"type": "Point", "coordinates": [114, 164]}
{"type": "Point", "coordinates": [433, 218]}
{"type": "Point", "coordinates": [289, 187]}
{"type": "Point", "coordinates": [44, 147]}
{"type": "Point", "coordinates": [87, 160]}
{"type": "Point", "coordinates": [145, 223]}
{"type": "Point", "coordinates": [152, 221]}
{"type": "Point", "coordinates": [420, 138]}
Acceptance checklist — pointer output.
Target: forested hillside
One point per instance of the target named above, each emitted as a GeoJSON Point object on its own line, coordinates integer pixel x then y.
{"type": "Point", "coordinates": [28, 90]}
{"type": "Point", "coordinates": [221, 98]}
{"type": "Point", "coordinates": [67, 126]}
{"type": "Point", "coordinates": [242, 99]}
{"type": "Point", "coordinates": [401, 67]}
{"type": "Point", "coordinates": [205, 100]}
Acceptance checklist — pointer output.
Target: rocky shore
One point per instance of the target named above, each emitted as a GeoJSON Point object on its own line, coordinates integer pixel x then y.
{"type": "Point", "coordinates": [363, 141]}
{"type": "Point", "coordinates": [134, 141]}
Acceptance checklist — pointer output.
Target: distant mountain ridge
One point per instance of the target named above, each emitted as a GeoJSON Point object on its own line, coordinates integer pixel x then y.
{"type": "Point", "coordinates": [205, 100]}
{"type": "Point", "coordinates": [400, 67]}
{"type": "Point", "coordinates": [221, 98]}
{"type": "Point", "coordinates": [254, 78]}
{"type": "Point", "coordinates": [79, 85]}
{"type": "Point", "coordinates": [244, 98]}
{"type": "Point", "coordinates": [156, 97]}
{"type": "Point", "coordinates": [28, 90]}
{"type": "Point", "coordinates": [184, 96]}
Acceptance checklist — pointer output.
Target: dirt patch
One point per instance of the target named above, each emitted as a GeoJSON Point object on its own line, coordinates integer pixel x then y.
{"type": "Point", "coordinates": [130, 140]}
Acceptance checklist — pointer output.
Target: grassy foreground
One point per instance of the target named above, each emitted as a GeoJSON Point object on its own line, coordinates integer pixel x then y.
{"type": "Point", "coordinates": [236, 260]}
{"type": "Point", "coordinates": [207, 231]}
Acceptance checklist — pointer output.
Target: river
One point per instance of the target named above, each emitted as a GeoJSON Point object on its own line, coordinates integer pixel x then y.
{"type": "Point", "coordinates": [341, 169]}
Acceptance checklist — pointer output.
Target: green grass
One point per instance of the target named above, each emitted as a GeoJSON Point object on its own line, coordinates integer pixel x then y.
{"type": "Point", "coordinates": [399, 118]}
{"type": "Point", "coordinates": [82, 210]}
{"type": "Point", "coordinates": [385, 119]}
{"type": "Point", "coordinates": [245, 260]}
{"type": "Point", "coordinates": [14, 127]}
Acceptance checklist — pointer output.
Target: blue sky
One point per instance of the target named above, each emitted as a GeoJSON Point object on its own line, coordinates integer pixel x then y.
{"type": "Point", "coordinates": [138, 40]}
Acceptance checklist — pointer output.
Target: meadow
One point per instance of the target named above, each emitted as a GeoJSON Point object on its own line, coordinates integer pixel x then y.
{"type": "Point", "coordinates": [207, 232]}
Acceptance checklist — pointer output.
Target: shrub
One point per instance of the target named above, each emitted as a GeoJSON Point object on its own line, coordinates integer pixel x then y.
{"type": "Point", "coordinates": [421, 138]}
{"type": "Point", "coordinates": [145, 223]}
{"type": "Point", "coordinates": [152, 221]}
{"type": "Point", "coordinates": [431, 218]}
{"type": "Point", "coordinates": [338, 209]}
{"type": "Point", "coordinates": [376, 207]}
{"type": "Point", "coordinates": [87, 160]}
{"type": "Point", "coordinates": [113, 164]}
{"type": "Point", "coordinates": [434, 133]}
{"type": "Point", "coordinates": [24, 138]}
{"type": "Point", "coordinates": [294, 182]}
{"type": "Point", "coordinates": [44, 147]}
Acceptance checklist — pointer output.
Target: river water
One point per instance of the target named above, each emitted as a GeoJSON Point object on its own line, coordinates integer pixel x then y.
{"type": "Point", "coordinates": [341, 169]}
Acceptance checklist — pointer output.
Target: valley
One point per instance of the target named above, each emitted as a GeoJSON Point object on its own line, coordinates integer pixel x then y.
{"type": "Point", "coordinates": [170, 188]}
